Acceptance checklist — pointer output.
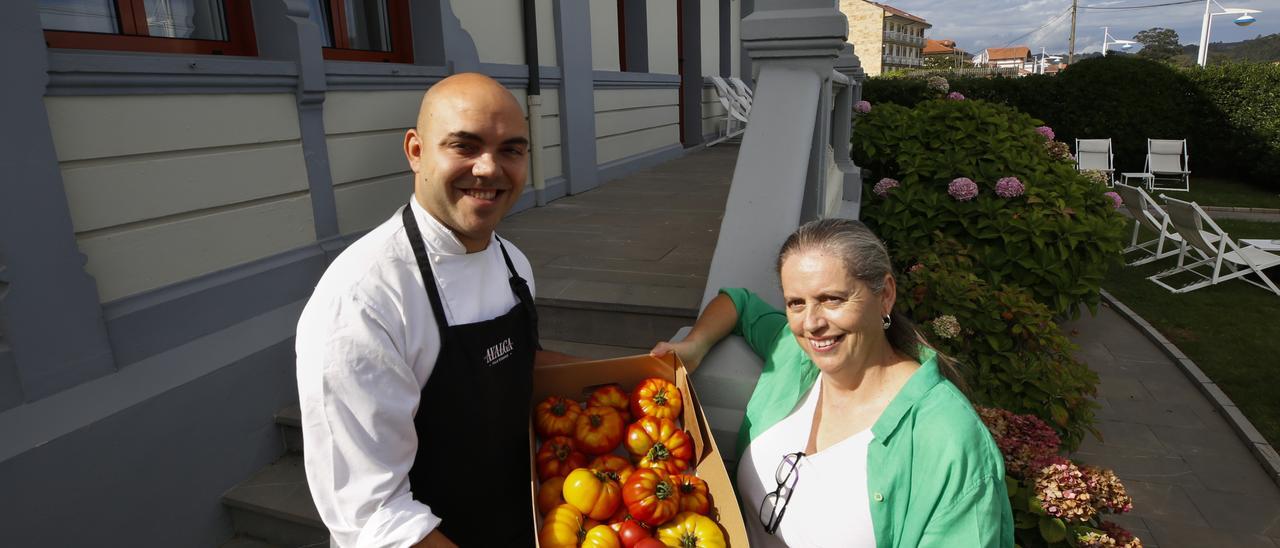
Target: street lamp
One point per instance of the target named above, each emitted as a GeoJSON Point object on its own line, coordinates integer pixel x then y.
{"type": "Point", "coordinates": [1108, 39]}
{"type": "Point", "coordinates": [1245, 19]}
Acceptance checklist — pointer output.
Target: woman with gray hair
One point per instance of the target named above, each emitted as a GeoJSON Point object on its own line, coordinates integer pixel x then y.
{"type": "Point", "coordinates": [858, 432]}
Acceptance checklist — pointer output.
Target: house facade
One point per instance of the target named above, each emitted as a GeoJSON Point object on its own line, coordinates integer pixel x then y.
{"type": "Point", "coordinates": [945, 50]}
{"type": "Point", "coordinates": [896, 34]}
{"type": "Point", "coordinates": [177, 175]}
{"type": "Point", "coordinates": [1016, 58]}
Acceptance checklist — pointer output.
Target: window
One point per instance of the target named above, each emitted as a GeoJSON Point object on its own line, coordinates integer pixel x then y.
{"type": "Point", "coordinates": [364, 30]}
{"type": "Point", "coordinates": [217, 27]}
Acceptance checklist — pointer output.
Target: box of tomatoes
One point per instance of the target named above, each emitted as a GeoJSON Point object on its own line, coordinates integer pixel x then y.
{"type": "Point", "coordinates": [621, 455]}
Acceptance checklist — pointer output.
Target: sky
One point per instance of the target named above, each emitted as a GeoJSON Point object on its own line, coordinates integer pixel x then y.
{"type": "Point", "coordinates": [976, 25]}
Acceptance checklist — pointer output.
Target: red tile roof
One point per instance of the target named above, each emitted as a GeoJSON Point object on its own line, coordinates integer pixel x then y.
{"type": "Point", "coordinates": [900, 13]}
{"type": "Point", "coordinates": [938, 47]}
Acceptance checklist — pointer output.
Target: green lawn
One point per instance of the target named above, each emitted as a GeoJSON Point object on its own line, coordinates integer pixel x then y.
{"type": "Point", "coordinates": [1230, 329]}
{"type": "Point", "coordinates": [1222, 192]}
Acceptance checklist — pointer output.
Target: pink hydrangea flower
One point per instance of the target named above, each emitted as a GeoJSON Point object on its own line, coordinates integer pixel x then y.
{"type": "Point", "coordinates": [1109, 494]}
{"type": "Point", "coordinates": [1009, 187]}
{"type": "Point", "coordinates": [1115, 198]}
{"type": "Point", "coordinates": [1063, 493]}
{"type": "Point", "coordinates": [955, 96]}
{"type": "Point", "coordinates": [1046, 131]}
{"type": "Point", "coordinates": [963, 189]}
{"type": "Point", "coordinates": [862, 107]}
{"type": "Point", "coordinates": [915, 268]}
{"type": "Point", "coordinates": [883, 187]}
{"type": "Point", "coordinates": [1026, 442]}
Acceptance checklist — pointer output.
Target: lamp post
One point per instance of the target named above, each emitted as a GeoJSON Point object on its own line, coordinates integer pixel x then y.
{"type": "Point", "coordinates": [1245, 19]}
{"type": "Point", "coordinates": [1108, 39]}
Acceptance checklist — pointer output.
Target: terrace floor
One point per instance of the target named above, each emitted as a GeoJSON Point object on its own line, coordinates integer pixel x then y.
{"type": "Point", "coordinates": [646, 241]}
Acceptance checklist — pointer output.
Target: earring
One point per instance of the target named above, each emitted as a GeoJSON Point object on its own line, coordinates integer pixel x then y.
{"type": "Point", "coordinates": [888, 321]}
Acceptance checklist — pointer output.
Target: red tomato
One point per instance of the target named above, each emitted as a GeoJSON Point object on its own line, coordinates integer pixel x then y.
{"type": "Point", "coordinates": [659, 443]}
{"type": "Point", "coordinates": [599, 430]}
{"type": "Point", "coordinates": [631, 532]}
{"type": "Point", "coordinates": [649, 542]}
{"type": "Point", "coordinates": [558, 457]}
{"type": "Point", "coordinates": [611, 396]}
{"type": "Point", "coordinates": [651, 497]}
{"type": "Point", "coordinates": [656, 397]}
{"type": "Point", "coordinates": [555, 416]}
{"type": "Point", "coordinates": [694, 496]}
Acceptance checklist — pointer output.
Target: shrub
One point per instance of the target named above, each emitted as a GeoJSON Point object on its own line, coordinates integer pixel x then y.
{"type": "Point", "coordinates": [1056, 239]}
{"type": "Point", "coordinates": [1011, 352]}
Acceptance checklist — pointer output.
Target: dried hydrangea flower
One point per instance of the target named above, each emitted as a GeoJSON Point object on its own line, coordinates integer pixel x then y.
{"type": "Point", "coordinates": [946, 326]}
{"type": "Point", "coordinates": [963, 189]}
{"type": "Point", "coordinates": [883, 187]}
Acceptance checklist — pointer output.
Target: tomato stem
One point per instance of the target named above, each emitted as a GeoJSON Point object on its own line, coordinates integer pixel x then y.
{"type": "Point", "coordinates": [663, 490]}
{"type": "Point", "coordinates": [688, 540]}
{"type": "Point", "coordinates": [559, 408]}
{"type": "Point", "coordinates": [596, 420]}
{"type": "Point", "coordinates": [660, 397]}
{"type": "Point", "coordinates": [659, 452]}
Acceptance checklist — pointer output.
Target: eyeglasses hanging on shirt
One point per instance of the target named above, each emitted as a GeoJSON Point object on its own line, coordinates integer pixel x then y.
{"type": "Point", "coordinates": [774, 504]}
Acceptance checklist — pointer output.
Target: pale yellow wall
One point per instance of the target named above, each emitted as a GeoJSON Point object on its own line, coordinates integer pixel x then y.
{"type": "Point", "coordinates": [866, 33]}
{"type": "Point", "coordinates": [630, 122]}
{"type": "Point", "coordinates": [663, 57]}
{"type": "Point", "coordinates": [604, 35]}
{"type": "Point", "coordinates": [164, 188]}
{"type": "Point", "coordinates": [713, 112]}
{"type": "Point", "coordinates": [709, 20]}
{"type": "Point", "coordinates": [497, 28]}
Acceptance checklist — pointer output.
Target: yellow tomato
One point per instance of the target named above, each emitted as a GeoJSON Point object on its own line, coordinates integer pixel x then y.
{"type": "Point", "coordinates": [690, 530]}
{"type": "Point", "coordinates": [593, 493]}
{"type": "Point", "coordinates": [564, 527]}
{"type": "Point", "coordinates": [601, 536]}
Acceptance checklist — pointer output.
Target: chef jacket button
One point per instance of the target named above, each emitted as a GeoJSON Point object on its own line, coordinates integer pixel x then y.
{"type": "Point", "coordinates": [879, 497]}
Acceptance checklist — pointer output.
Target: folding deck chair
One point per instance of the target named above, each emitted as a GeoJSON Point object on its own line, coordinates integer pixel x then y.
{"type": "Point", "coordinates": [744, 91]}
{"type": "Point", "coordinates": [1147, 214]}
{"type": "Point", "coordinates": [1095, 154]}
{"type": "Point", "coordinates": [735, 116]}
{"type": "Point", "coordinates": [1167, 160]}
{"type": "Point", "coordinates": [1189, 220]}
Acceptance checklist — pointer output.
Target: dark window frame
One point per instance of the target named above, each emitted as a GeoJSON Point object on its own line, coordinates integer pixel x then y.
{"type": "Point", "coordinates": [135, 36]}
{"type": "Point", "coordinates": [397, 24]}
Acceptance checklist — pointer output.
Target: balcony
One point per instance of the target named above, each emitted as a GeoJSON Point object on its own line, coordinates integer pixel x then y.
{"type": "Point", "coordinates": [903, 61]}
{"type": "Point", "coordinates": [903, 38]}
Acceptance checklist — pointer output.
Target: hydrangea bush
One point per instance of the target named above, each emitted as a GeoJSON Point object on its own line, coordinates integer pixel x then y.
{"type": "Point", "coordinates": [1056, 502]}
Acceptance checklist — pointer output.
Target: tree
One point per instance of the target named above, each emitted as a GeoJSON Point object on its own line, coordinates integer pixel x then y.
{"type": "Point", "coordinates": [1158, 44]}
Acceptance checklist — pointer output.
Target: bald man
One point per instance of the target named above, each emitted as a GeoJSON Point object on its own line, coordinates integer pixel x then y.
{"type": "Point", "coordinates": [415, 352]}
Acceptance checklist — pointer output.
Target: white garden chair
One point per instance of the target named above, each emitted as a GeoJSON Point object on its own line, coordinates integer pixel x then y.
{"type": "Point", "coordinates": [735, 115]}
{"type": "Point", "coordinates": [744, 91]}
{"type": "Point", "coordinates": [1167, 160]}
{"type": "Point", "coordinates": [1224, 260]}
{"type": "Point", "coordinates": [1095, 154]}
{"type": "Point", "coordinates": [1147, 214]}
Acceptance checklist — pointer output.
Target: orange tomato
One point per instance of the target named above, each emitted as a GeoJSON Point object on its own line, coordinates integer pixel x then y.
{"type": "Point", "coordinates": [659, 443]}
{"type": "Point", "coordinates": [550, 495]}
{"type": "Point", "coordinates": [618, 466]}
{"type": "Point", "coordinates": [558, 457]}
{"type": "Point", "coordinates": [593, 493]}
{"type": "Point", "coordinates": [611, 396]}
{"type": "Point", "coordinates": [657, 398]}
{"type": "Point", "coordinates": [598, 430]}
{"type": "Point", "coordinates": [555, 416]}
{"type": "Point", "coordinates": [694, 495]}
{"type": "Point", "coordinates": [651, 497]}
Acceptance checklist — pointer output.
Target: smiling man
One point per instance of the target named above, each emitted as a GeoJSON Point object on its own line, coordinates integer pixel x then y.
{"type": "Point", "coordinates": [415, 352]}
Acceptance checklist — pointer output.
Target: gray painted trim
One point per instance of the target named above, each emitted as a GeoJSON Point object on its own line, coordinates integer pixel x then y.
{"type": "Point", "coordinates": [73, 72]}
{"type": "Point", "coordinates": [150, 323]}
{"type": "Point", "coordinates": [726, 47]}
{"type": "Point", "coordinates": [35, 424]}
{"type": "Point", "coordinates": [49, 305]}
{"type": "Point", "coordinates": [577, 98]}
{"type": "Point", "coordinates": [1258, 445]}
{"type": "Point", "coordinates": [636, 18]}
{"type": "Point", "coordinates": [691, 71]}
{"type": "Point", "coordinates": [622, 167]}
{"type": "Point", "coordinates": [609, 79]}
{"type": "Point", "coordinates": [355, 76]}
{"type": "Point", "coordinates": [745, 7]}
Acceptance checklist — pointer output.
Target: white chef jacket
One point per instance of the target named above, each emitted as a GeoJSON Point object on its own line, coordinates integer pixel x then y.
{"type": "Point", "coordinates": [367, 342]}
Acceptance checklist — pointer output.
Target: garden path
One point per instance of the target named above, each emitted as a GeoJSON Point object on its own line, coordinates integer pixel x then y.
{"type": "Point", "coordinates": [1193, 480]}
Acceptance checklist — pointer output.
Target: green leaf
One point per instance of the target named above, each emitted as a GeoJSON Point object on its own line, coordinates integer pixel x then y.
{"type": "Point", "coordinates": [1053, 529]}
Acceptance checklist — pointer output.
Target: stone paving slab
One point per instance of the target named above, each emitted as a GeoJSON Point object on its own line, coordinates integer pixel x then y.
{"type": "Point", "coordinates": [1194, 481]}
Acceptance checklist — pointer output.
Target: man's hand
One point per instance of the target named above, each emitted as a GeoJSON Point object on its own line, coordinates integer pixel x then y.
{"type": "Point", "coordinates": [435, 539]}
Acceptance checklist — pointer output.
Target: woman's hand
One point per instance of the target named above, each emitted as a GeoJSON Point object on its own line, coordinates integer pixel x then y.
{"type": "Point", "coordinates": [690, 353]}
{"type": "Point", "coordinates": [715, 322]}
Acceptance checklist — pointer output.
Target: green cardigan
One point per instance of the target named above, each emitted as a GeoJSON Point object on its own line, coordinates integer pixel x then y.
{"type": "Point", "coordinates": [934, 474]}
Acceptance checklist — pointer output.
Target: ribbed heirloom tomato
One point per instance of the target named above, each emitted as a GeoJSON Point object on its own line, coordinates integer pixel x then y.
{"type": "Point", "coordinates": [558, 457]}
{"type": "Point", "coordinates": [555, 416]}
{"type": "Point", "coordinates": [617, 465]}
{"type": "Point", "coordinates": [565, 527]}
{"type": "Point", "coordinates": [694, 496]}
{"type": "Point", "coordinates": [651, 497]}
{"type": "Point", "coordinates": [611, 396]}
{"type": "Point", "coordinates": [656, 397]}
{"type": "Point", "coordinates": [659, 443]}
{"type": "Point", "coordinates": [601, 536]}
{"type": "Point", "coordinates": [550, 495]}
{"type": "Point", "coordinates": [630, 532]}
{"type": "Point", "coordinates": [690, 530]}
{"type": "Point", "coordinates": [593, 493]}
{"type": "Point", "coordinates": [599, 430]}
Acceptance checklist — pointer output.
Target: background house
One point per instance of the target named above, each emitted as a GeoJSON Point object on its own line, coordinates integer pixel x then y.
{"type": "Point", "coordinates": [1016, 58]}
{"type": "Point", "coordinates": [175, 182]}
{"type": "Point", "coordinates": [898, 35]}
{"type": "Point", "coordinates": [944, 53]}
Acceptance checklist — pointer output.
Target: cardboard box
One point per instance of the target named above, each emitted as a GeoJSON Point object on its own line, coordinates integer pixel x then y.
{"type": "Point", "coordinates": [577, 380]}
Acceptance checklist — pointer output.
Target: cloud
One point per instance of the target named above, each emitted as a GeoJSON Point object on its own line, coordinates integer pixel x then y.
{"type": "Point", "coordinates": [996, 23]}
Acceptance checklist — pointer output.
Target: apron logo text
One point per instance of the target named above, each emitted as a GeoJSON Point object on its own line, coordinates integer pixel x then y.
{"type": "Point", "coordinates": [498, 352]}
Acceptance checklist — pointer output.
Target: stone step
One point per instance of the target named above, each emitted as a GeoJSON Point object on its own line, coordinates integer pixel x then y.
{"type": "Point", "coordinates": [275, 506]}
{"type": "Point", "coordinates": [240, 541]}
{"type": "Point", "coordinates": [610, 324]}
{"type": "Point", "coordinates": [289, 420]}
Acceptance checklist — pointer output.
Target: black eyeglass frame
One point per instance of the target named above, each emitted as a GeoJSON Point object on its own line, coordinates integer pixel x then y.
{"type": "Point", "coordinates": [775, 518]}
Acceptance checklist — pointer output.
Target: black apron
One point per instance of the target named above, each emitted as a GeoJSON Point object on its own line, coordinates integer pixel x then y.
{"type": "Point", "coordinates": [472, 465]}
